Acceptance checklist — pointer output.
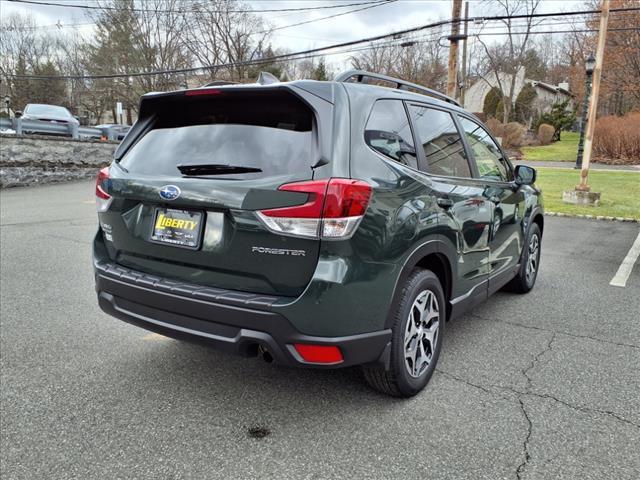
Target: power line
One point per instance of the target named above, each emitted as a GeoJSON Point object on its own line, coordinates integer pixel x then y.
{"type": "Point", "coordinates": [539, 32]}
{"type": "Point", "coordinates": [310, 53]}
{"type": "Point", "coordinates": [196, 5]}
{"type": "Point", "coordinates": [384, 2]}
{"type": "Point", "coordinates": [368, 6]}
{"type": "Point", "coordinates": [375, 3]}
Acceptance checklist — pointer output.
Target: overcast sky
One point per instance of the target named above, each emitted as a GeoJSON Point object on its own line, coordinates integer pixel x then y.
{"type": "Point", "coordinates": [398, 15]}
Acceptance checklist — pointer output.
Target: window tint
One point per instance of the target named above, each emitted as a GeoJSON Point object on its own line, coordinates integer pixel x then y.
{"type": "Point", "coordinates": [488, 158]}
{"type": "Point", "coordinates": [270, 132]}
{"type": "Point", "coordinates": [443, 148]}
{"type": "Point", "coordinates": [388, 132]}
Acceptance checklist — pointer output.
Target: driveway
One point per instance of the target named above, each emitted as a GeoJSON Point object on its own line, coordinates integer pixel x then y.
{"type": "Point", "coordinates": [544, 385]}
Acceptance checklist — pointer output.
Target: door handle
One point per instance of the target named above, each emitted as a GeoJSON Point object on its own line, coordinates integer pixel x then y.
{"type": "Point", "coordinates": [445, 202]}
{"type": "Point", "coordinates": [494, 199]}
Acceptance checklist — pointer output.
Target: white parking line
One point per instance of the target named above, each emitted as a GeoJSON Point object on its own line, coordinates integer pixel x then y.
{"type": "Point", "coordinates": [622, 275]}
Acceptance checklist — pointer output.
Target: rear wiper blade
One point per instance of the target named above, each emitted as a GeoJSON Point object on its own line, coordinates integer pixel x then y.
{"type": "Point", "coordinates": [215, 169]}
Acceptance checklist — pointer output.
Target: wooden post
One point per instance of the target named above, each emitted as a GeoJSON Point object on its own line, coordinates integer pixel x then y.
{"type": "Point", "coordinates": [452, 79]}
{"type": "Point", "coordinates": [593, 104]}
{"type": "Point", "coordinates": [464, 54]}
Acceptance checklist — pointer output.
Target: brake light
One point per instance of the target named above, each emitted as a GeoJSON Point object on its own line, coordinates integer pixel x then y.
{"type": "Point", "coordinates": [202, 91]}
{"type": "Point", "coordinates": [333, 210]}
{"type": "Point", "coordinates": [103, 199]}
{"type": "Point", "coordinates": [328, 354]}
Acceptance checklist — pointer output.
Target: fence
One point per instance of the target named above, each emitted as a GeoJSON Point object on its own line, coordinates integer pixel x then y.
{"type": "Point", "coordinates": [21, 127]}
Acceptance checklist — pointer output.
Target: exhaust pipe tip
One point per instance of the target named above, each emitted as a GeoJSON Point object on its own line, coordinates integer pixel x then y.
{"type": "Point", "coordinates": [264, 353]}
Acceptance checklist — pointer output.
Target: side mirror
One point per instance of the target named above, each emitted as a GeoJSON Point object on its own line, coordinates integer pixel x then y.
{"type": "Point", "coordinates": [525, 175]}
{"type": "Point", "coordinates": [17, 113]}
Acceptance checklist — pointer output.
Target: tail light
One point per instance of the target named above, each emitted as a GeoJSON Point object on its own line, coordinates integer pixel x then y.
{"type": "Point", "coordinates": [103, 199]}
{"type": "Point", "coordinates": [333, 210]}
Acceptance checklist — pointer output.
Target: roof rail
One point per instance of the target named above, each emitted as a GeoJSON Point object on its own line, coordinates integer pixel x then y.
{"type": "Point", "coordinates": [360, 75]}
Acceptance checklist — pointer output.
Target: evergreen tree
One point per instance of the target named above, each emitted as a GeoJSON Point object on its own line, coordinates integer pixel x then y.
{"type": "Point", "coordinates": [320, 71]}
{"type": "Point", "coordinates": [492, 102]}
{"type": "Point", "coordinates": [524, 104]}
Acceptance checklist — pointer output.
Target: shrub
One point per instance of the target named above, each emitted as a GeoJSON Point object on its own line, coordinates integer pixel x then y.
{"type": "Point", "coordinates": [491, 102]}
{"type": "Point", "coordinates": [545, 133]}
{"type": "Point", "coordinates": [495, 127]}
{"type": "Point", "coordinates": [481, 116]}
{"type": "Point", "coordinates": [617, 139]}
{"type": "Point", "coordinates": [513, 135]}
{"type": "Point", "coordinates": [560, 117]}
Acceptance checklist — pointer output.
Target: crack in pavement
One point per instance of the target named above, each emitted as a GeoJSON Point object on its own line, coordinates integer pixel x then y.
{"type": "Point", "coordinates": [542, 329]}
{"type": "Point", "coordinates": [525, 446]}
{"type": "Point", "coordinates": [526, 392]}
{"type": "Point", "coordinates": [471, 384]}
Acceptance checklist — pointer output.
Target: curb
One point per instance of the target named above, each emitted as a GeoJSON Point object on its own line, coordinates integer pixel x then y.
{"type": "Point", "coordinates": [592, 217]}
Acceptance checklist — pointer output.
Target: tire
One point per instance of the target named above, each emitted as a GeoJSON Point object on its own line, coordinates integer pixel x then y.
{"type": "Point", "coordinates": [412, 362]}
{"type": "Point", "coordinates": [524, 281]}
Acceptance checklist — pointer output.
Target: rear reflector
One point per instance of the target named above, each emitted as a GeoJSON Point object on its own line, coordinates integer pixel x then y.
{"type": "Point", "coordinates": [333, 210]}
{"type": "Point", "coordinates": [319, 353]}
{"type": "Point", "coordinates": [103, 199]}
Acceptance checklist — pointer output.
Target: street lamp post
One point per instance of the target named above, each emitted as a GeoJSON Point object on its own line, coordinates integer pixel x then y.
{"type": "Point", "coordinates": [589, 66]}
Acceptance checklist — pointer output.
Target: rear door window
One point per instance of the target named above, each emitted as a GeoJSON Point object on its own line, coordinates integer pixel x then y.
{"type": "Point", "coordinates": [443, 148]}
{"type": "Point", "coordinates": [388, 132]}
{"type": "Point", "coordinates": [270, 133]}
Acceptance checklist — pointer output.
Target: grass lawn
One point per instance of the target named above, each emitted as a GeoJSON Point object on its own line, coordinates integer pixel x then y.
{"type": "Point", "coordinates": [565, 150]}
{"type": "Point", "coordinates": [620, 192]}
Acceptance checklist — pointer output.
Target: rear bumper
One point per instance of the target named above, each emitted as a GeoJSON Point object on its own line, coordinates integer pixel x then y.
{"type": "Point", "coordinates": [234, 322]}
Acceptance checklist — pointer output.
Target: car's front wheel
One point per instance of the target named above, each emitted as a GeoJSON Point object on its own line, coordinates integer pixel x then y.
{"type": "Point", "coordinates": [416, 340]}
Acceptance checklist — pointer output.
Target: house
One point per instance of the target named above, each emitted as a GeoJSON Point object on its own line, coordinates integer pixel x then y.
{"type": "Point", "coordinates": [546, 94]}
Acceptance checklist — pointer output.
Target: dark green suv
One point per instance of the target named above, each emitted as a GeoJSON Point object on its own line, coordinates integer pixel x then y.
{"type": "Point", "coordinates": [298, 221]}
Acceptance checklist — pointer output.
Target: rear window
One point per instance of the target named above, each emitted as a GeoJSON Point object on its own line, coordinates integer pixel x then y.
{"type": "Point", "coordinates": [271, 132]}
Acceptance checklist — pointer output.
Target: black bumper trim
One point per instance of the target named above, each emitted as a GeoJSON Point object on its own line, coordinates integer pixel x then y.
{"type": "Point", "coordinates": [231, 297]}
{"type": "Point", "coordinates": [230, 328]}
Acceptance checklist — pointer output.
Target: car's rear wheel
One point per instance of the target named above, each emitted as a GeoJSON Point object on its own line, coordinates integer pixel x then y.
{"type": "Point", "coordinates": [524, 281]}
{"type": "Point", "coordinates": [416, 340]}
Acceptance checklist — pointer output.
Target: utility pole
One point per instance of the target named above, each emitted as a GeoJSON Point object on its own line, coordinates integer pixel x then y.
{"type": "Point", "coordinates": [452, 82]}
{"type": "Point", "coordinates": [593, 107]}
{"type": "Point", "coordinates": [463, 90]}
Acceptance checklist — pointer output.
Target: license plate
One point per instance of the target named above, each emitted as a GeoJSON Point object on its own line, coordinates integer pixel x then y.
{"type": "Point", "coordinates": [180, 228]}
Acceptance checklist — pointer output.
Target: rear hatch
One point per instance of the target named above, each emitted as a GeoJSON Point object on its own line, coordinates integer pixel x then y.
{"type": "Point", "coordinates": [199, 165]}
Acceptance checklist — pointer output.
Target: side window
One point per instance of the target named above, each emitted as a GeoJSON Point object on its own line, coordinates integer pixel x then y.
{"type": "Point", "coordinates": [491, 164]}
{"type": "Point", "coordinates": [443, 148]}
{"type": "Point", "coordinates": [388, 132]}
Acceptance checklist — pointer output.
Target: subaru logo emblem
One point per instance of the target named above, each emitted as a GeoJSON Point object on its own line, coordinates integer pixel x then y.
{"type": "Point", "coordinates": [169, 192]}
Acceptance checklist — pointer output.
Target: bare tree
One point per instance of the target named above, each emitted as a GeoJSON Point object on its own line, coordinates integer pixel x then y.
{"type": "Point", "coordinates": [26, 50]}
{"type": "Point", "coordinates": [224, 32]}
{"type": "Point", "coordinates": [503, 61]}
{"type": "Point", "coordinates": [420, 62]}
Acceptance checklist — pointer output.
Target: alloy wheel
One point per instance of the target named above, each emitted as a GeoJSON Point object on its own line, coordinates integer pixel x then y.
{"type": "Point", "coordinates": [421, 333]}
{"type": "Point", "coordinates": [532, 259]}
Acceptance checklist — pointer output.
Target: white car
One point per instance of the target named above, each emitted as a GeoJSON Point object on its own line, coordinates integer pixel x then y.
{"type": "Point", "coordinates": [48, 113]}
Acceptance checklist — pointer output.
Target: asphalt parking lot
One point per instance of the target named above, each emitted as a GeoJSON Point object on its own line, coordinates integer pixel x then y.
{"type": "Point", "coordinates": [545, 385]}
